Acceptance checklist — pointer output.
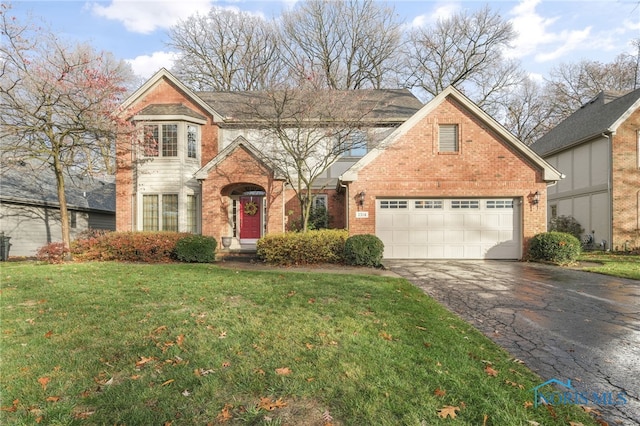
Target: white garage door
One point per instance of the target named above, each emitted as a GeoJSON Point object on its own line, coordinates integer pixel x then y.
{"type": "Point", "coordinates": [449, 228]}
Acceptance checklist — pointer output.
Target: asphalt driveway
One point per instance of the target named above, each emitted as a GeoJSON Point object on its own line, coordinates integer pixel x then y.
{"type": "Point", "coordinates": [564, 324]}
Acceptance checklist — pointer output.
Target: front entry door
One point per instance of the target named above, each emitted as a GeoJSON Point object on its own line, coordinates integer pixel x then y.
{"type": "Point", "coordinates": [250, 217]}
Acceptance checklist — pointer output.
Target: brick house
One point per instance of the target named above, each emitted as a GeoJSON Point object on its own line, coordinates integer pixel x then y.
{"type": "Point", "coordinates": [598, 149]}
{"type": "Point", "coordinates": [450, 182]}
{"type": "Point", "coordinates": [440, 180]}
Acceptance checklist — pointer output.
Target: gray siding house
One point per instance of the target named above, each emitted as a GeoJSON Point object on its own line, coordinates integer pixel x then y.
{"type": "Point", "coordinates": [30, 212]}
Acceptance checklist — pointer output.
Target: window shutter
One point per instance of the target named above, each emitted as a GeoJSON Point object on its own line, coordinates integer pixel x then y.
{"type": "Point", "coordinates": [448, 138]}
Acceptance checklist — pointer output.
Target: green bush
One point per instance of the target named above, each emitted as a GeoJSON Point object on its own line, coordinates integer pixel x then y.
{"type": "Point", "coordinates": [300, 248]}
{"type": "Point", "coordinates": [566, 224]}
{"type": "Point", "coordinates": [364, 250]}
{"type": "Point", "coordinates": [556, 247]}
{"type": "Point", "coordinates": [196, 249]}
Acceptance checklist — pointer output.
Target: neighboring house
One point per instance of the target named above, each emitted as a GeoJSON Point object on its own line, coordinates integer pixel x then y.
{"type": "Point", "coordinates": [442, 180]}
{"type": "Point", "coordinates": [30, 212]}
{"type": "Point", "coordinates": [598, 149]}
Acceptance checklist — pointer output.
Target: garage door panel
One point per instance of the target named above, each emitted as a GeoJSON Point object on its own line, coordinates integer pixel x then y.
{"type": "Point", "coordinates": [440, 229]}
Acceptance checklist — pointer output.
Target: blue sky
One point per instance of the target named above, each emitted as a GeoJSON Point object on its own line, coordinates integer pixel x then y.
{"type": "Point", "coordinates": [550, 32]}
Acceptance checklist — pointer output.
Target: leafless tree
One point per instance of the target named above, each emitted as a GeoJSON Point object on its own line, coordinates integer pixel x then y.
{"type": "Point", "coordinates": [57, 103]}
{"type": "Point", "coordinates": [226, 50]}
{"type": "Point", "coordinates": [526, 112]}
{"type": "Point", "coordinates": [571, 85]}
{"type": "Point", "coordinates": [305, 131]}
{"type": "Point", "coordinates": [343, 44]}
{"type": "Point", "coordinates": [463, 50]}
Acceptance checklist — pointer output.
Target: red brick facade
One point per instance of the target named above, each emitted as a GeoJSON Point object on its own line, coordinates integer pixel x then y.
{"type": "Point", "coordinates": [626, 184]}
{"type": "Point", "coordinates": [485, 166]}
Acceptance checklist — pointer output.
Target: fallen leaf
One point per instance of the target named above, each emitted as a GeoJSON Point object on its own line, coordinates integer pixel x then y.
{"type": "Point", "coordinates": [528, 404]}
{"type": "Point", "coordinates": [226, 364]}
{"type": "Point", "coordinates": [225, 414]}
{"type": "Point", "coordinates": [48, 334]}
{"type": "Point", "coordinates": [168, 382]}
{"type": "Point", "coordinates": [53, 399]}
{"type": "Point", "coordinates": [575, 424]}
{"type": "Point", "coordinates": [135, 377]}
{"type": "Point", "coordinates": [311, 301]}
{"type": "Point", "coordinates": [44, 381]}
{"type": "Point", "coordinates": [439, 392]}
{"type": "Point", "coordinates": [84, 415]}
{"type": "Point", "coordinates": [590, 410]}
{"type": "Point", "coordinates": [186, 392]}
{"type": "Point", "coordinates": [291, 293]}
{"type": "Point", "coordinates": [144, 360]}
{"type": "Point", "coordinates": [309, 345]}
{"type": "Point", "coordinates": [490, 371]}
{"type": "Point", "coordinates": [284, 371]}
{"type": "Point", "coordinates": [13, 408]}
{"type": "Point", "coordinates": [448, 411]}
{"type": "Point", "coordinates": [266, 404]}
{"type": "Point", "coordinates": [385, 335]}
{"type": "Point", "coordinates": [222, 335]}
{"type": "Point", "coordinates": [532, 423]}
{"type": "Point", "coordinates": [180, 340]}
{"type": "Point", "coordinates": [421, 328]}
{"type": "Point", "coordinates": [259, 371]}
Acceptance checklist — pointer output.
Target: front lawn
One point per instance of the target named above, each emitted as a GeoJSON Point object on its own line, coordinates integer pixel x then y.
{"type": "Point", "coordinates": [616, 264]}
{"type": "Point", "coordinates": [180, 344]}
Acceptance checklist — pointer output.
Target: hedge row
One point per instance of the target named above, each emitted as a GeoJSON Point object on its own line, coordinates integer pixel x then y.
{"type": "Point", "coordinates": [149, 247]}
{"type": "Point", "coordinates": [322, 246]}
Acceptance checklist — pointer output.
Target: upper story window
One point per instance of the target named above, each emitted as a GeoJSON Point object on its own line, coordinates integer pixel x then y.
{"type": "Point", "coordinates": [354, 144]}
{"type": "Point", "coordinates": [448, 139]}
{"type": "Point", "coordinates": [170, 139]}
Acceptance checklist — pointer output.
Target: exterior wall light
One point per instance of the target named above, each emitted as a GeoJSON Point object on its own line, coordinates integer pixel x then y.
{"type": "Point", "coordinates": [536, 198]}
{"type": "Point", "coordinates": [361, 196]}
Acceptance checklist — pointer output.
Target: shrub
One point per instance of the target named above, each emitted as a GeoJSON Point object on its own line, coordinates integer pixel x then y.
{"type": "Point", "coordinates": [364, 250]}
{"type": "Point", "coordinates": [152, 247]}
{"type": "Point", "coordinates": [196, 249]}
{"type": "Point", "coordinates": [52, 253]}
{"type": "Point", "coordinates": [556, 247]}
{"type": "Point", "coordinates": [299, 248]}
{"type": "Point", "coordinates": [566, 224]}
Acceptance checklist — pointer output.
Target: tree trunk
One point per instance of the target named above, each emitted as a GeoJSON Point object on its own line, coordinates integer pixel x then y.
{"type": "Point", "coordinates": [64, 213]}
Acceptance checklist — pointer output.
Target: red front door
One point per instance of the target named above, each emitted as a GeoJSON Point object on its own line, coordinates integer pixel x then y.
{"type": "Point", "coordinates": [250, 217]}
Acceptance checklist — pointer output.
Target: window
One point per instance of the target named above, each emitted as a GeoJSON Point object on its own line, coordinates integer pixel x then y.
{"type": "Point", "coordinates": [159, 138]}
{"type": "Point", "coordinates": [149, 212]}
{"type": "Point", "coordinates": [160, 212]}
{"type": "Point", "coordinates": [319, 213]}
{"type": "Point", "coordinates": [465, 204]}
{"type": "Point", "coordinates": [500, 204]}
{"type": "Point", "coordinates": [448, 138]}
{"type": "Point", "coordinates": [320, 201]}
{"type": "Point", "coordinates": [354, 144]}
{"type": "Point", "coordinates": [170, 212]}
{"type": "Point", "coordinates": [554, 211]}
{"type": "Point", "coordinates": [393, 204]}
{"type": "Point", "coordinates": [73, 220]}
{"type": "Point", "coordinates": [428, 204]}
{"type": "Point", "coordinates": [192, 214]}
{"type": "Point", "coordinates": [192, 141]}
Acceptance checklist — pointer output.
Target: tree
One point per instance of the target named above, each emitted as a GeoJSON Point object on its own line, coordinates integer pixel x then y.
{"type": "Point", "coordinates": [56, 103]}
{"type": "Point", "coordinates": [464, 51]}
{"type": "Point", "coordinates": [345, 44]}
{"type": "Point", "coordinates": [305, 131]}
{"type": "Point", "coordinates": [526, 112]}
{"type": "Point", "coordinates": [226, 50]}
{"type": "Point", "coordinates": [571, 85]}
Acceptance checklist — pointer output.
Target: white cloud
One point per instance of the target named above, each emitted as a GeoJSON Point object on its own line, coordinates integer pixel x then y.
{"type": "Point", "coordinates": [535, 36]}
{"type": "Point", "coordinates": [146, 16]}
{"type": "Point", "coordinates": [145, 66]}
{"type": "Point", "coordinates": [442, 11]}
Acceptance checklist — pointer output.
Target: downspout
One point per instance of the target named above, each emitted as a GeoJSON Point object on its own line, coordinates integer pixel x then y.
{"type": "Point", "coordinates": [346, 198]}
{"type": "Point", "coordinates": [610, 189]}
{"type": "Point", "coordinates": [284, 205]}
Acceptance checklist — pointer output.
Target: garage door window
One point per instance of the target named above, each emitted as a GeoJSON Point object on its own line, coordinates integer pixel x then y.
{"type": "Point", "coordinates": [393, 204]}
{"type": "Point", "coordinates": [465, 204]}
{"type": "Point", "coordinates": [500, 204]}
{"type": "Point", "coordinates": [428, 204]}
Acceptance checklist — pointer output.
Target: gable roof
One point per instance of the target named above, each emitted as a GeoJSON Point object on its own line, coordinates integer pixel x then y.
{"type": "Point", "coordinates": [163, 74]}
{"type": "Point", "coordinates": [550, 173]}
{"type": "Point", "coordinates": [603, 114]}
{"type": "Point", "coordinates": [170, 110]}
{"type": "Point", "coordinates": [24, 183]}
{"type": "Point", "coordinates": [239, 143]}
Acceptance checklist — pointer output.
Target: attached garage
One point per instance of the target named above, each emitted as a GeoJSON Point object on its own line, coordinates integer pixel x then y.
{"type": "Point", "coordinates": [460, 228]}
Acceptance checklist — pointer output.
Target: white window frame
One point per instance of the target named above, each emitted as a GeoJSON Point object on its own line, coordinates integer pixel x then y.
{"type": "Point", "coordinates": [160, 214]}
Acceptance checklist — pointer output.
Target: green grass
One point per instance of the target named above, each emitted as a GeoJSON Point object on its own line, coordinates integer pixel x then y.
{"type": "Point", "coordinates": [618, 265]}
{"type": "Point", "coordinates": [183, 344]}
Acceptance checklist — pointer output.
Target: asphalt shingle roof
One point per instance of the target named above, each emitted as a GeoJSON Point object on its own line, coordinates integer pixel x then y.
{"type": "Point", "coordinates": [381, 105]}
{"type": "Point", "coordinates": [592, 119]}
{"type": "Point", "coordinates": [170, 109]}
{"type": "Point", "coordinates": [21, 182]}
